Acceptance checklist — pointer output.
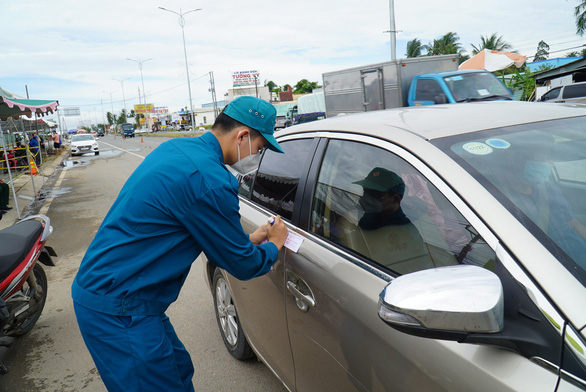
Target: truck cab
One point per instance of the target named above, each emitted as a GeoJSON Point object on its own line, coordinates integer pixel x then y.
{"type": "Point", "coordinates": [457, 87]}
{"type": "Point", "coordinates": [127, 130]}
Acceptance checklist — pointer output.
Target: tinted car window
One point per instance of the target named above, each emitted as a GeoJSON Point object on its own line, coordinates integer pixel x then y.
{"type": "Point", "coordinates": [551, 94]}
{"type": "Point", "coordinates": [375, 203]}
{"type": "Point", "coordinates": [427, 90]}
{"type": "Point", "coordinates": [277, 179]}
{"type": "Point", "coordinates": [575, 91]}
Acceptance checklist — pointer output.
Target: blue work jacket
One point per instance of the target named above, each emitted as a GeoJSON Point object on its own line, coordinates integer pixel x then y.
{"type": "Point", "coordinates": [34, 146]}
{"type": "Point", "coordinates": [179, 202]}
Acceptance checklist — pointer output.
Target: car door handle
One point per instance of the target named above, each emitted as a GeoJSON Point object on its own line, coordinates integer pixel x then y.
{"type": "Point", "coordinates": [303, 302]}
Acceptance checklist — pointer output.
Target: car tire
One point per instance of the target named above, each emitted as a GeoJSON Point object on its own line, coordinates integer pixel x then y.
{"type": "Point", "coordinates": [97, 153]}
{"type": "Point", "coordinates": [227, 318]}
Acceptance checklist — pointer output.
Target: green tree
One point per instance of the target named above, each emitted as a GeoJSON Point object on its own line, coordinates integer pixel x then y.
{"type": "Point", "coordinates": [305, 86]}
{"type": "Point", "coordinates": [122, 119]}
{"type": "Point", "coordinates": [542, 51]}
{"type": "Point", "coordinates": [414, 48]}
{"type": "Point", "coordinates": [580, 13]}
{"type": "Point", "coordinates": [271, 85]}
{"type": "Point", "coordinates": [524, 82]}
{"type": "Point", "coordinates": [447, 44]}
{"type": "Point", "coordinates": [111, 118]}
{"type": "Point", "coordinates": [544, 67]}
{"type": "Point", "coordinates": [576, 53]}
{"type": "Point", "coordinates": [492, 43]}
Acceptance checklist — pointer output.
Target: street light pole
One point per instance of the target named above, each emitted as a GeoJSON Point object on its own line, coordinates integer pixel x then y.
{"type": "Point", "coordinates": [182, 23]}
{"type": "Point", "coordinates": [393, 30]}
{"type": "Point", "coordinates": [111, 103]}
{"type": "Point", "coordinates": [123, 97]}
{"type": "Point", "coordinates": [139, 62]}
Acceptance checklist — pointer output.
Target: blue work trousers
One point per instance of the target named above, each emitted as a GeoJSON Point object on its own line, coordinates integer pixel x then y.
{"type": "Point", "coordinates": [136, 353]}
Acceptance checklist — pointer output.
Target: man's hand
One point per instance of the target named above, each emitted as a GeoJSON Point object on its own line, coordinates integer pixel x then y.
{"type": "Point", "coordinates": [259, 235]}
{"type": "Point", "coordinates": [277, 232]}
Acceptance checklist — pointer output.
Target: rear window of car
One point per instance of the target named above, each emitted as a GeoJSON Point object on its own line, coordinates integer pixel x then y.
{"type": "Point", "coordinates": [575, 91]}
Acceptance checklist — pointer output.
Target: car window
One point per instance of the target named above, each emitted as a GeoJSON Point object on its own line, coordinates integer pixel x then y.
{"type": "Point", "coordinates": [376, 204]}
{"type": "Point", "coordinates": [551, 94]}
{"type": "Point", "coordinates": [427, 90]}
{"type": "Point", "coordinates": [575, 91]}
{"type": "Point", "coordinates": [537, 171]}
{"type": "Point", "coordinates": [277, 179]}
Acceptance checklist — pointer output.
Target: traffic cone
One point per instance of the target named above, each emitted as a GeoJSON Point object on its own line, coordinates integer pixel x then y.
{"type": "Point", "coordinates": [141, 139]}
{"type": "Point", "coordinates": [33, 167]}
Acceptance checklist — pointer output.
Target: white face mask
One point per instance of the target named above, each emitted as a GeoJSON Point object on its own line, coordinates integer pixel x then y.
{"type": "Point", "coordinates": [247, 164]}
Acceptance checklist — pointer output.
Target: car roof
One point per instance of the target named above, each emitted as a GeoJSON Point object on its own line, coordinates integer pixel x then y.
{"type": "Point", "coordinates": [437, 121]}
{"type": "Point", "coordinates": [456, 72]}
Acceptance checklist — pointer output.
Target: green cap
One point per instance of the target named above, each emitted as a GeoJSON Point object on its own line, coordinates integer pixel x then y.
{"type": "Point", "coordinates": [383, 180]}
{"type": "Point", "coordinates": [257, 114]}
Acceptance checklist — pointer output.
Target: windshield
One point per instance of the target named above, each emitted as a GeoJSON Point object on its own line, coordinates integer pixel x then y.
{"type": "Point", "coordinates": [127, 127]}
{"type": "Point", "coordinates": [82, 138]}
{"type": "Point", "coordinates": [476, 86]}
{"type": "Point", "coordinates": [538, 172]}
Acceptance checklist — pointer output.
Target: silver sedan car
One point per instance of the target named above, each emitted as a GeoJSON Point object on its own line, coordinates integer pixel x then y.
{"type": "Point", "coordinates": [438, 248]}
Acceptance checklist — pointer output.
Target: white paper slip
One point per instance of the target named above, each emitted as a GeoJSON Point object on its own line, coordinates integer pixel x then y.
{"type": "Point", "coordinates": [293, 242]}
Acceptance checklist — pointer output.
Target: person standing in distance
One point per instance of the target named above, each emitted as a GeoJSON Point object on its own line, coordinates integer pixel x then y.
{"type": "Point", "coordinates": [181, 201]}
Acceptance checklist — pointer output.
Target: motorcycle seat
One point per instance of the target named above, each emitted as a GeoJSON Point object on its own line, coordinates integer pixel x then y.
{"type": "Point", "coordinates": [16, 242]}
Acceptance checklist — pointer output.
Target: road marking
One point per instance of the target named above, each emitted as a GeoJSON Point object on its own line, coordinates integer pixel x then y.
{"type": "Point", "coordinates": [121, 149]}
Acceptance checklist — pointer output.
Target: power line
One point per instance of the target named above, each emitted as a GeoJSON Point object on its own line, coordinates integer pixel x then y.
{"type": "Point", "coordinates": [135, 97]}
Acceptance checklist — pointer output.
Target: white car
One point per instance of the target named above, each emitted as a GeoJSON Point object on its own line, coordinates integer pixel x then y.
{"type": "Point", "coordinates": [84, 143]}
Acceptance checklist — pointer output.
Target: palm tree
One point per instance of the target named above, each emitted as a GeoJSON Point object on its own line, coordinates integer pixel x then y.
{"type": "Point", "coordinates": [580, 13]}
{"type": "Point", "coordinates": [492, 43]}
{"type": "Point", "coordinates": [414, 48]}
{"type": "Point", "coordinates": [448, 44]}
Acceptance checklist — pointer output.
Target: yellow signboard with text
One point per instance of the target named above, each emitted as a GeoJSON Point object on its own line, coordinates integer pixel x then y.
{"type": "Point", "coordinates": [139, 109]}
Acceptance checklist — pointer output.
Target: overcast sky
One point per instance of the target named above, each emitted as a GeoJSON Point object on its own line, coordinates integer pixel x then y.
{"type": "Point", "coordinates": [76, 51]}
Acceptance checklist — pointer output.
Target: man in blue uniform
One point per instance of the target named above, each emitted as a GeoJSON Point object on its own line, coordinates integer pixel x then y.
{"type": "Point", "coordinates": [181, 201]}
{"type": "Point", "coordinates": [35, 149]}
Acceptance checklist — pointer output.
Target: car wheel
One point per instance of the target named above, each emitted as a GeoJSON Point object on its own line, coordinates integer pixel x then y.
{"type": "Point", "coordinates": [97, 153]}
{"type": "Point", "coordinates": [227, 319]}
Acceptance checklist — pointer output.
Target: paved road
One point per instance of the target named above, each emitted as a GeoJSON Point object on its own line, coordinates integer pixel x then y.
{"type": "Point", "coordinates": [53, 357]}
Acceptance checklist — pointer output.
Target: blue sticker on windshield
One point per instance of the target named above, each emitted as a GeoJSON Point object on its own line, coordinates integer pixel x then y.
{"type": "Point", "coordinates": [498, 143]}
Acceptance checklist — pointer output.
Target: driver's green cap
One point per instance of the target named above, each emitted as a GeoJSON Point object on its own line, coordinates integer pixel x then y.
{"type": "Point", "coordinates": [257, 114]}
{"type": "Point", "coordinates": [383, 180]}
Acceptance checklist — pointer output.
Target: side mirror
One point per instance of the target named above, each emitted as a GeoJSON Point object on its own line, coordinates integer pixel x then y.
{"type": "Point", "coordinates": [444, 303]}
{"type": "Point", "coordinates": [440, 98]}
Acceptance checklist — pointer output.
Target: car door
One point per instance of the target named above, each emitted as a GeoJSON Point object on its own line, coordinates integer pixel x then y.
{"type": "Point", "coordinates": [271, 190]}
{"type": "Point", "coordinates": [333, 282]}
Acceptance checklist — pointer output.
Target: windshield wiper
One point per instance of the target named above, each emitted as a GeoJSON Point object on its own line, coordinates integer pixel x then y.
{"type": "Point", "coordinates": [488, 97]}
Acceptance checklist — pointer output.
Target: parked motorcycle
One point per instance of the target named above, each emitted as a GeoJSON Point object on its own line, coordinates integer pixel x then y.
{"type": "Point", "coordinates": [23, 282]}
